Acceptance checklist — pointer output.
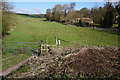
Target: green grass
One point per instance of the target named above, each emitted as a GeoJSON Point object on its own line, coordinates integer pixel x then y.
{"type": "Point", "coordinates": [34, 29]}
{"type": "Point", "coordinates": [13, 61]}
{"type": "Point", "coordinates": [6, 55]}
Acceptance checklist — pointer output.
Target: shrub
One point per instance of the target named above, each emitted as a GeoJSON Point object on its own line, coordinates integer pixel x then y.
{"type": "Point", "coordinates": [7, 17]}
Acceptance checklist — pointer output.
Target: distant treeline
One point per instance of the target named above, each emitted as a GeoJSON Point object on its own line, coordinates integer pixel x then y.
{"type": "Point", "coordinates": [106, 16]}
{"type": "Point", "coordinates": [33, 15]}
{"type": "Point", "coordinates": [38, 15]}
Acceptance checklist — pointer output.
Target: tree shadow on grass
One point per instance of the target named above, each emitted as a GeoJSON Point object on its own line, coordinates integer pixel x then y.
{"type": "Point", "coordinates": [64, 40]}
{"type": "Point", "coordinates": [107, 31]}
{"type": "Point", "coordinates": [44, 20]}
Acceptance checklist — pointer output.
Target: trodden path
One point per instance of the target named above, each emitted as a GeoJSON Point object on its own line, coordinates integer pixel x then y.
{"type": "Point", "coordinates": [9, 57]}
{"type": "Point", "coordinates": [6, 72]}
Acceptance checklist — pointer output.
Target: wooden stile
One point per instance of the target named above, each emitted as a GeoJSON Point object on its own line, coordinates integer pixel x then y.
{"type": "Point", "coordinates": [44, 47]}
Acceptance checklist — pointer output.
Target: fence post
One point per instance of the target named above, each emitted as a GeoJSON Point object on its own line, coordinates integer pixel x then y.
{"type": "Point", "coordinates": [56, 42]}
{"type": "Point", "coordinates": [41, 48]}
{"type": "Point", "coordinates": [21, 47]}
{"type": "Point", "coordinates": [41, 45]}
{"type": "Point", "coordinates": [59, 43]}
{"type": "Point", "coordinates": [46, 44]}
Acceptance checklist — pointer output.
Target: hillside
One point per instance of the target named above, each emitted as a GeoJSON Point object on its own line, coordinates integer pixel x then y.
{"type": "Point", "coordinates": [69, 60]}
{"type": "Point", "coordinates": [32, 29]}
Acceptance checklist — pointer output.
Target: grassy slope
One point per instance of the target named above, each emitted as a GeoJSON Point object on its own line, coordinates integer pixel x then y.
{"type": "Point", "coordinates": [34, 29]}
{"type": "Point", "coordinates": [13, 61]}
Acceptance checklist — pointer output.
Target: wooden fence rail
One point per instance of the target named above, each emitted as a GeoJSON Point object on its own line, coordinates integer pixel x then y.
{"type": "Point", "coordinates": [45, 47]}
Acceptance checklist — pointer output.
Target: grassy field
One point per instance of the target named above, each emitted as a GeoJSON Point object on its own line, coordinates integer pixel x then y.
{"type": "Point", "coordinates": [31, 29]}
{"type": "Point", "coordinates": [13, 61]}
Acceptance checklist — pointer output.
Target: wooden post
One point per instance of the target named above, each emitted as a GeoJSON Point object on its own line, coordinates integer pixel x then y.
{"type": "Point", "coordinates": [59, 43]}
{"type": "Point", "coordinates": [56, 42]}
{"type": "Point", "coordinates": [41, 45]}
{"type": "Point", "coordinates": [21, 47]}
{"type": "Point", "coordinates": [41, 48]}
{"type": "Point", "coordinates": [46, 44]}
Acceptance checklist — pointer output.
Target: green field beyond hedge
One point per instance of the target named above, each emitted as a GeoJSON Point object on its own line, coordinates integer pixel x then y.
{"type": "Point", "coordinates": [32, 29]}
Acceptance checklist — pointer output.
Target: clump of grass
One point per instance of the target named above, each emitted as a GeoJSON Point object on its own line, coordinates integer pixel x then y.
{"type": "Point", "coordinates": [23, 69]}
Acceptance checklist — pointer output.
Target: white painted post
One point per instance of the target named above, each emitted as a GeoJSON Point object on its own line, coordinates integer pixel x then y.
{"type": "Point", "coordinates": [59, 43]}
{"type": "Point", "coordinates": [56, 42]}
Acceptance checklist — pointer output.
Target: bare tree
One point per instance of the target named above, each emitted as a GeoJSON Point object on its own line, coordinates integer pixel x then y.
{"type": "Point", "coordinates": [72, 6]}
{"type": "Point", "coordinates": [7, 17]}
{"type": "Point", "coordinates": [71, 12]}
{"type": "Point", "coordinates": [65, 9]}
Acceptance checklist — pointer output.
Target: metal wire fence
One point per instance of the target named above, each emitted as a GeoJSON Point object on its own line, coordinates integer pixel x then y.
{"type": "Point", "coordinates": [19, 47]}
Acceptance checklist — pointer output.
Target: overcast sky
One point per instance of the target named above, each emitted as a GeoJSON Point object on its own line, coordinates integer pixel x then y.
{"type": "Point", "coordinates": [40, 7]}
